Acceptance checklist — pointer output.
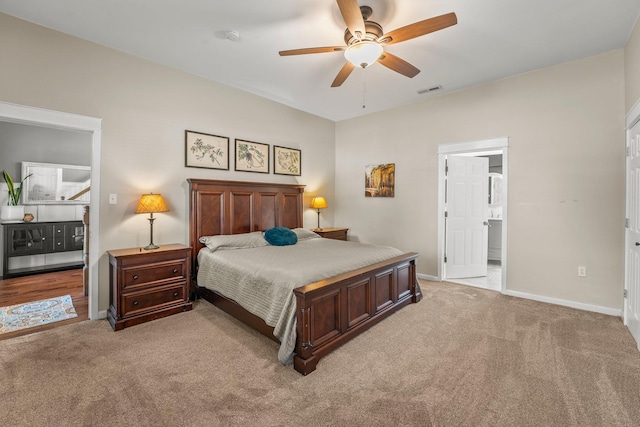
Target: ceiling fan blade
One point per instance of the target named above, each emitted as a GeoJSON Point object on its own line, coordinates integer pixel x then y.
{"type": "Point", "coordinates": [418, 29]}
{"type": "Point", "coordinates": [398, 65]}
{"type": "Point", "coordinates": [312, 50]}
{"type": "Point", "coordinates": [352, 17]}
{"type": "Point", "coordinates": [347, 68]}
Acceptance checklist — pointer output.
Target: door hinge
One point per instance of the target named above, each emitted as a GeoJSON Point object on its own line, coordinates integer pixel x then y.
{"type": "Point", "coordinates": [445, 258]}
{"type": "Point", "coordinates": [624, 293]}
{"type": "Point", "coordinates": [627, 151]}
{"type": "Point", "coordinates": [446, 214]}
{"type": "Point", "coordinates": [626, 223]}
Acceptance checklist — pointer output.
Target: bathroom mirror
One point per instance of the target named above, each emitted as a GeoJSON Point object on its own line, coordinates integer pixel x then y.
{"type": "Point", "coordinates": [51, 183]}
{"type": "Point", "coordinates": [495, 189]}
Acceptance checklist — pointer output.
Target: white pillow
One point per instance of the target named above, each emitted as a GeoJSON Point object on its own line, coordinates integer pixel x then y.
{"type": "Point", "coordinates": [304, 234]}
{"type": "Point", "coordinates": [234, 241]}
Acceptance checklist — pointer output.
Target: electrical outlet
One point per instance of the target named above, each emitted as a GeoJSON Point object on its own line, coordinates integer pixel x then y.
{"type": "Point", "coordinates": [113, 199]}
{"type": "Point", "coordinates": [582, 271]}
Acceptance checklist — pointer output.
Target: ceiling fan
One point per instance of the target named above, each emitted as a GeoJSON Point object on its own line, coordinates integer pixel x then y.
{"type": "Point", "coordinates": [365, 40]}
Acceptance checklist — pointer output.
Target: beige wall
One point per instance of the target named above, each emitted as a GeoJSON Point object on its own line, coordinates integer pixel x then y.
{"type": "Point", "coordinates": [565, 125]}
{"type": "Point", "coordinates": [632, 69]}
{"type": "Point", "coordinates": [145, 110]}
{"type": "Point", "coordinates": [566, 175]}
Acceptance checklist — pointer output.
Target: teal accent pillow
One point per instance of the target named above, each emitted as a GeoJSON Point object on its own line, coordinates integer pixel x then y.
{"type": "Point", "coordinates": [280, 236]}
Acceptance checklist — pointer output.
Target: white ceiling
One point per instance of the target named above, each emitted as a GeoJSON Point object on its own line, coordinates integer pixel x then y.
{"type": "Point", "coordinates": [493, 39]}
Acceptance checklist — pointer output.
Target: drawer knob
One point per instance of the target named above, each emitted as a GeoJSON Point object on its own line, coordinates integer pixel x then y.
{"type": "Point", "coordinates": [175, 294]}
{"type": "Point", "coordinates": [135, 303]}
{"type": "Point", "coordinates": [175, 270]}
{"type": "Point", "coordinates": [135, 277]}
{"type": "Point", "coordinates": [43, 239]}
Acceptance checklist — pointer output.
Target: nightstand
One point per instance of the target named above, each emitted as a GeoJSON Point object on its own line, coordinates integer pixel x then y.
{"type": "Point", "coordinates": [148, 284]}
{"type": "Point", "coordinates": [332, 233]}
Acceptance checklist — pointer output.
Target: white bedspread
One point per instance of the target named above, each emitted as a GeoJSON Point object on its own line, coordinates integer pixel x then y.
{"type": "Point", "coordinates": [262, 279]}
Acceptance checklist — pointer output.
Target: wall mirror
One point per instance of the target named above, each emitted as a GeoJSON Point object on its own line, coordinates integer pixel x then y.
{"type": "Point", "coordinates": [51, 183]}
{"type": "Point", "coordinates": [495, 189]}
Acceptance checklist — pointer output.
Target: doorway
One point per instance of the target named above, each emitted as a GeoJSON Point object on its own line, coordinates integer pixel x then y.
{"type": "Point", "coordinates": [66, 121]}
{"type": "Point", "coordinates": [483, 245]}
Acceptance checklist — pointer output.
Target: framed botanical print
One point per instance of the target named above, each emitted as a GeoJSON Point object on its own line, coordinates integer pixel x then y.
{"type": "Point", "coordinates": [203, 150]}
{"type": "Point", "coordinates": [287, 161]}
{"type": "Point", "coordinates": [252, 156]}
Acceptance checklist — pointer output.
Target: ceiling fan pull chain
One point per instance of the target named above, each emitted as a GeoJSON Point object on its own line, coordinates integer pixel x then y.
{"type": "Point", "coordinates": [364, 91]}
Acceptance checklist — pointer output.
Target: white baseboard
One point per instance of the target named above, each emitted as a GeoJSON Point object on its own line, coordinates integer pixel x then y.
{"type": "Point", "coordinates": [566, 303]}
{"type": "Point", "coordinates": [427, 277]}
{"type": "Point", "coordinates": [556, 301]}
{"type": "Point", "coordinates": [102, 314]}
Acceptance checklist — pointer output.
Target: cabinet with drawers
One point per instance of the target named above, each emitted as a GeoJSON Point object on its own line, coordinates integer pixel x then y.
{"type": "Point", "coordinates": [37, 247]}
{"type": "Point", "coordinates": [148, 284]}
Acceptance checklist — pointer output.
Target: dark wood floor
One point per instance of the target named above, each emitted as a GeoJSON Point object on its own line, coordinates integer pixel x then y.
{"type": "Point", "coordinates": [20, 290]}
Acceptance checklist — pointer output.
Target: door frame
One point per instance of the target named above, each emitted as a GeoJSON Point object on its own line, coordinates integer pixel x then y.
{"type": "Point", "coordinates": [496, 146]}
{"type": "Point", "coordinates": [67, 121]}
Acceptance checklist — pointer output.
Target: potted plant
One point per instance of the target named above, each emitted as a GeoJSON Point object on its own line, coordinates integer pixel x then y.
{"type": "Point", "coordinates": [13, 210]}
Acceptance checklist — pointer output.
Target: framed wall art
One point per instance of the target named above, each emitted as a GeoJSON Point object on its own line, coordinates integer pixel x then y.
{"type": "Point", "coordinates": [252, 156]}
{"type": "Point", "coordinates": [380, 180]}
{"type": "Point", "coordinates": [287, 161]}
{"type": "Point", "coordinates": [206, 151]}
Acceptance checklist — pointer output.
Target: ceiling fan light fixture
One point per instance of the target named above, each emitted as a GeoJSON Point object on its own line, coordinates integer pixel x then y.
{"type": "Point", "coordinates": [364, 53]}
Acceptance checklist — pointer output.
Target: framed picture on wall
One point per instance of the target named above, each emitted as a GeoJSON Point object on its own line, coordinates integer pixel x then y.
{"type": "Point", "coordinates": [380, 180]}
{"type": "Point", "coordinates": [203, 150]}
{"type": "Point", "coordinates": [252, 156]}
{"type": "Point", "coordinates": [287, 161]}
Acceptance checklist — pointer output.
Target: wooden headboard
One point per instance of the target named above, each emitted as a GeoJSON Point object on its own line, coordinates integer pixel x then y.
{"type": "Point", "coordinates": [234, 207]}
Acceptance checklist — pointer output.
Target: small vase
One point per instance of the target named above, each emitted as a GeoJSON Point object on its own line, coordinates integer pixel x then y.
{"type": "Point", "coordinates": [11, 213]}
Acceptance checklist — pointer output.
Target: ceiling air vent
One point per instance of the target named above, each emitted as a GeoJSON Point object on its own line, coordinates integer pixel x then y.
{"type": "Point", "coordinates": [431, 89]}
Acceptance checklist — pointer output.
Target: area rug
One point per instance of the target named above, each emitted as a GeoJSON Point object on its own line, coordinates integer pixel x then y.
{"type": "Point", "coordinates": [21, 316]}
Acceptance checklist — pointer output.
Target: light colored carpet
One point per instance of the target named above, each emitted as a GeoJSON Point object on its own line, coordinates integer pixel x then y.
{"type": "Point", "coordinates": [36, 313]}
{"type": "Point", "coordinates": [461, 357]}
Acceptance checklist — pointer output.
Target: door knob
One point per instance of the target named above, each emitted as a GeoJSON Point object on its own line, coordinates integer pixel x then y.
{"type": "Point", "coordinates": [637, 243]}
{"type": "Point", "coordinates": [486, 223]}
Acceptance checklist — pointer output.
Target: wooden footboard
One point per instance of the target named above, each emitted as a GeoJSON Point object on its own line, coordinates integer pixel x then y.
{"type": "Point", "coordinates": [329, 312]}
{"type": "Point", "coordinates": [333, 311]}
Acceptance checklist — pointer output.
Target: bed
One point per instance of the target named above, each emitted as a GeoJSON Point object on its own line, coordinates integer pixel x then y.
{"type": "Point", "coordinates": [328, 312]}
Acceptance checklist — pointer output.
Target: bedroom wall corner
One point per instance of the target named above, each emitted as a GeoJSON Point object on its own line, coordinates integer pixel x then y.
{"type": "Point", "coordinates": [146, 108]}
{"type": "Point", "coordinates": [632, 68]}
{"type": "Point", "coordinates": [566, 174]}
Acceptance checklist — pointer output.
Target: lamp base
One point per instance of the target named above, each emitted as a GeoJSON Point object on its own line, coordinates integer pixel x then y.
{"type": "Point", "coordinates": [151, 245]}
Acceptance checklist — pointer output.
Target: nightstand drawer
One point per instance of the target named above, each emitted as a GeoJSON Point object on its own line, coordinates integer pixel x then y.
{"type": "Point", "coordinates": [143, 301]}
{"type": "Point", "coordinates": [145, 275]}
{"type": "Point", "coordinates": [145, 285]}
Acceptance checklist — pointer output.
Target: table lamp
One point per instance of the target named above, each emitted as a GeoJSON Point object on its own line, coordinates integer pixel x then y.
{"type": "Point", "coordinates": [151, 203]}
{"type": "Point", "coordinates": [318, 203]}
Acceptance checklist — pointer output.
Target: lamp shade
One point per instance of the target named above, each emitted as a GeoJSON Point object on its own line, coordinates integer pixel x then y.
{"type": "Point", "coordinates": [364, 53]}
{"type": "Point", "coordinates": [151, 203]}
{"type": "Point", "coordinates": [318, 203]}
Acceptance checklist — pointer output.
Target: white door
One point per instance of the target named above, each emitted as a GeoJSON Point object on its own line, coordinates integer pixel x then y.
{"type": "Point", "coordinates": [632, 238]}
{"type": "Point", "coordinates": [467, 209]}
